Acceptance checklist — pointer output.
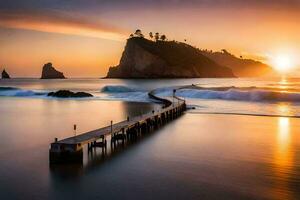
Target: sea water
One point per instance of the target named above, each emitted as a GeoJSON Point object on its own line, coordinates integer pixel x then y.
{"type": "Point", "coordinates": [239, 142]}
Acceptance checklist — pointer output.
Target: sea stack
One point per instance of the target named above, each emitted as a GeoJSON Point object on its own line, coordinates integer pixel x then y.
{"type": "Point", "coordinates": [49, 72]}
{"type": "Point", "coordinates": [5, 75]}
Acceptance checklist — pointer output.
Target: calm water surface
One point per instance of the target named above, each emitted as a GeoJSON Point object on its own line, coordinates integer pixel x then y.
{"type": "Point", "coordinates": [198, 156]}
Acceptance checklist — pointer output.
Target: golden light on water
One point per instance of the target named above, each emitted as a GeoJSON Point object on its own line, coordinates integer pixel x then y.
{"type": "Point", "coordinates": [283, 84]}
{"type": "Point", "coordinates": [283, 135]}
{"type": "Point", "coordinates": [283, 159]}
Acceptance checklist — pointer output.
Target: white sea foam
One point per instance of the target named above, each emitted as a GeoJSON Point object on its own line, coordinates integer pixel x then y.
{"type": "Point", "coordinates": [16, 92]}
{"type": "Point", "coordinates": [118, 89]}
{"type": "Point", "coordinates": [240, 94]}
{"type": "Point", "coordinates": [126, 93]}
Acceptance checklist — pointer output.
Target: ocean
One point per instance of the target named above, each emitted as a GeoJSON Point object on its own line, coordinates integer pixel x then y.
{"type": "Point", "coordinates": [238, 140]}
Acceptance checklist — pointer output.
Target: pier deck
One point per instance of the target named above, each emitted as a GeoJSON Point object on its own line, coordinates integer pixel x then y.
{"type": "Point", "coordinates": [70, 149]}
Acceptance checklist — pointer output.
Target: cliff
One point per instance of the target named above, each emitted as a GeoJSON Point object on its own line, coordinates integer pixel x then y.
{"type": "Point", "coordinates": [240, 67]}
{"type": "Point", "coordinates": [49, 72]}
{"type": "Point", "coordinates": [143, 58]}
{"type": "Point", "coordinates": [5, 75]}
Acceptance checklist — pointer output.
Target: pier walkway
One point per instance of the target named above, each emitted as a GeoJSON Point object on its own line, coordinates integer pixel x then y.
{"type": "Point", "coordinates": [71, 149]}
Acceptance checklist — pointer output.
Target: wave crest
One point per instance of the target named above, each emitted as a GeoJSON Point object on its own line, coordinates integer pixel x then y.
{"type": "Point", "coordinates": [16, 92]}
{"type": "Point", "coordinates": [242, 95]}
{"type": "Point", "coordinates": [118, 89]}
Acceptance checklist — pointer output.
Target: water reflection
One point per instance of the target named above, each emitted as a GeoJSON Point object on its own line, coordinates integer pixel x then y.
{"type": "Point", "coordinates": [284, 109]}
{"type": "Point", "coordinates": [283, 159]}
{"type": "Point", "coordinates": [95, 158]}
{"type": "Point", "coordinates": [283, 83]}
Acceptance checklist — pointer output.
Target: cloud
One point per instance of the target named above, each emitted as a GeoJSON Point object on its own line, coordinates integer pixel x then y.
{"type": "Point", "coordinates": [104, 5]}
{"type": "Point", "coordinates": [58, 22]}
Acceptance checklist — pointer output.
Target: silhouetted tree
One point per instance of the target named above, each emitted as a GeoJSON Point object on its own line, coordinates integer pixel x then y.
{"type": "Point", "coordinates": [224, 51]}
{"type": "Point", "coordinates": [151, 35]}
{"type": "Point", "coordinates": [131, 35]}
{"type": "Point", "coordinates": [138, 33]}
{"type": "Point", "coordinates": [156, 36]}
{"type": "Point", "coordinates": [163, 37]}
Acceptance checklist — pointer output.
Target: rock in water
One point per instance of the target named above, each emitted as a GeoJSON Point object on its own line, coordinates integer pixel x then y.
{"type": "Point", "coordinates": [143, 58]}
{"type": "Point", "coordinates": [49, 72]}
{"type": "Point", "coordinates": [5, 75]}
{"type": "Point", "coordinates": [69, 94]}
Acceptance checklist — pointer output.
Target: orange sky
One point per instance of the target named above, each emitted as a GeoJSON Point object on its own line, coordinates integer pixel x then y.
{"type": "Point", "coordinates": [85, 45]}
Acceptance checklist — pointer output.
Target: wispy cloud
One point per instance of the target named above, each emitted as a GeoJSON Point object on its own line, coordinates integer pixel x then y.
{"type": "Point", "coordinates": [56, 22]}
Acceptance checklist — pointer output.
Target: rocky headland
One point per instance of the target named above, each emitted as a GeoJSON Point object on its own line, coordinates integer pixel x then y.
{"type": "Point", "coordinates": [143, 58]}
{"type": "Point", "coordinates": [240, 66]}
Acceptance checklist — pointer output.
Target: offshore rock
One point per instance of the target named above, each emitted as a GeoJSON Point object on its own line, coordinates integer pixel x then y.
{"type": "Point", "coordinates": [49, 72]}
{"type": "Point", "coordinates": [5, 75]}
{"type": "Point", "coordinates": [69, 94]}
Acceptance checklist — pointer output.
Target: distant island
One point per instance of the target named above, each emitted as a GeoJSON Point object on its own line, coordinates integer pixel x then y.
{"type": "Point", "coordinates": [49, 72]}
{"type": "Point", "coordinates": [158, 58]}
{"type": "Point", "coordinates": [5, 75]}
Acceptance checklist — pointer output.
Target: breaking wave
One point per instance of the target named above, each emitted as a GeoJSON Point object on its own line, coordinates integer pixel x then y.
{"type": "Point", "coordinates": [254, 94]}
{"type": "Point", "coordinates": [16, 92]}
{"type": "Point", "coordinates": [125, 93]}
{"type": "Point", "coordinates": [118, 89]}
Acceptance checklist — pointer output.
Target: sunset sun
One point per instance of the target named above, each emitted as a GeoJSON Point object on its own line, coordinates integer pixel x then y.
{"type": "Point", "coordinates": [283, 63]}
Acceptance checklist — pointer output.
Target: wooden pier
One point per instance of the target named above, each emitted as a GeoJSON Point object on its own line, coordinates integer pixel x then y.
{"type": "Point", "coordinates": [71, 149]}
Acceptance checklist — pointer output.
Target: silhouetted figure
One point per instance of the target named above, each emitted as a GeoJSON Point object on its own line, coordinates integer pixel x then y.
{"type": "Point", "coordinates": [5, 75]}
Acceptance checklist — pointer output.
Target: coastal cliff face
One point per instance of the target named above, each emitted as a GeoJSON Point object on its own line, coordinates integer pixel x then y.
{"type": "Point", "coordinates": [49, 72]}
{"type": "Point", "coordinates": [143, 58]}
{"type": "Point", "coordinates": [5, 75]}
{"type": "Point", "coordinates": [240, 67]}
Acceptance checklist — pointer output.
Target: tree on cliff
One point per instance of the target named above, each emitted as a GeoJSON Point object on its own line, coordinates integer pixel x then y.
{"type": "Point", "coordinates": [151, 35]}
{"type": "Point", "coordinates": [163, 37]}
{"type": "Point", "coordinates": [156, 36]}
{"type": "Point", "coordinates": [139, 33]}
